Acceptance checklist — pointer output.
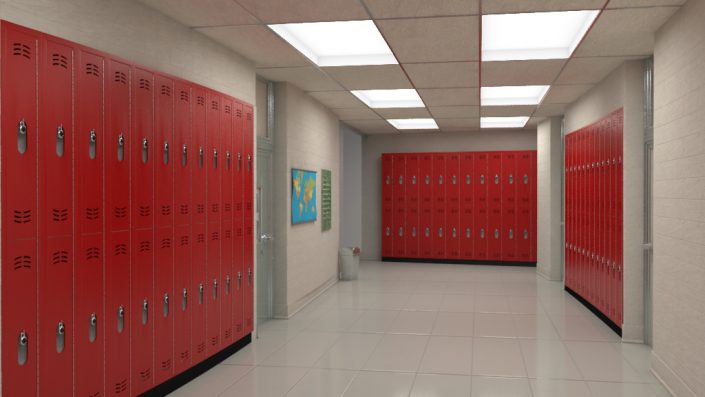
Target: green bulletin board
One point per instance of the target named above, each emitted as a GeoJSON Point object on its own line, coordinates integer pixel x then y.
{"type": "Point", "coordinates": [326, 197]}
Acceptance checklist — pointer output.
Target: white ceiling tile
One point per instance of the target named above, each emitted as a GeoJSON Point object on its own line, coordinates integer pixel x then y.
{"type": "Point", "coordinates": [338, 99]}
{"type": "Point", "coordinates": [372, 126]}
{"type": "Point", "coordinates": [624, 32]}
{"type": "Point", "coordinates": [589, 70]}
{"type": "Point", "coordinates": [285, 11]}
{"type": "Point", "coordinates": [517, 6]}
{"type": "Point", "coordinates": [204, 12]}
{"type": "Point", "coordinates": [404, 113]}
{"type": "Point", "coordinates": [369, 77]}
{"type": "Point", "coordinates": [455, 112]}
{"type": "Point", "coordinates": [450, 96]}
{"type": "Point", "coordinates": [566, 93]}
{"type": "Point", "coordinates": [644, 3]}
{"type": "Point", "coordinates": [360, 113]}
{"type": "Point", "coordinates": [381, 9]}
{"type": "Point", "coordinates": [534, 72]}
{"type": "Point", "coordinates": [432, 39]}
{"type": "Point", "coordinates": [507, 111]}
{"type": "Point", "coordinates": [444, 75]}
{"type": "Point", "coordinates": [469, 124]}
{"type": "Point", "coordinates": [550, 110]}
{"type": "Point", "coordinates": [307, 78]}
{"type": "Point", "coordinates": [257, 43]}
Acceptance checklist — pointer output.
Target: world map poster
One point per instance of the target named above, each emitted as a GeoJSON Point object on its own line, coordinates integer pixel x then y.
{"type": "Point", "coordinates": [303, 196]}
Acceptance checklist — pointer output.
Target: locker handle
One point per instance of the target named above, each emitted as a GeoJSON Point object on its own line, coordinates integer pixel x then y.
{"type": "Point", "coordinates": [200, 294]}
{"type": "Point", "coordinates": [440, 232]}
{"type": "Point", "coordinates": [526, 234]}
{"type": "Point", "coordinates": [428, 232]}
{"type": "Point", "coordinates": [92, 139]}
{"type": "Point", "coordinates": [387, 231]}
{"type": "Point", "coordinates": [467, 179]}
{"type": "Point", "coordinates": [428, 179]}
{"type": "Point", "coordinates": [482, 179]}
{"type": "Point", "coordinates": [215, 158]}
{"type": "Point", "coordinates": [413, 231]}
{"type": "Point", "coordinates": [401, 232]}
{"type": "Point", "coordinates": [22, 137]}
{"type": "Point", "coordinates": [239, 161]}
{"type": "Point", "coordinates": [227, 284]}
{"type": "Point", "coordinates": [454, 233]}
{"type": "Point", "coordinates": [145, 150]}
{"type": "Point", "coordinates": [496, 179]}
{"type": "Point", "coordinates": [120, 319]}
{"type": "Point", "coordinates": [166, 305]}
{"type": "Point", "coordinates": [467, 232]}
{"type": "Point", "coordinates": [60, 135]}
{"type": "Point", "coordinates": [145, 311]}
{"type": "Point", "coordinates": [482, 233]}
{"type": "Point", "coordinates": [454, 179]}
{"type": "Point", "coordinates": [496, 233]}
{"type": "Point", "coordinates": [511, 234]}
{"type": "Point", "coordinates": [227, 161]}
{"type": "Point", "coordinates": [239, 280]}
{"type": "Point", "coordinates": [249, 163]}
{"type": "Point", "coordinates": [215, 289]}
{"type": "Point", "coordinates": [526, 179]}
{"type": "Point", "coordinates": [184, 299]}
{"type": "Point", "coordinates": [511, 179]}
{"type": "Point", "coordinates": [413, 179]}
{"type": "Point", "coordinates": [184, 155]}
{"type": "Point", "coordinates": [60, 337]}
{"type": "Point", "coordinates": [440, 179]}
{"type": "Point", "coordinates": [387, 180]}
{"type": "Point", "coordinates": [200, 157]}
{"type": "Point", "coordinates": [401, 180]}
{"type": "Point", "coordinates": [22, 342]}
{"type": "Point", "coordinates": [92, 327]}
{"type": "Point", "coordinates": [249, 277]}
{"type": "Point", "coordinates": [166, 152]}
{"type": "Point", "coordinates": [121, 148]}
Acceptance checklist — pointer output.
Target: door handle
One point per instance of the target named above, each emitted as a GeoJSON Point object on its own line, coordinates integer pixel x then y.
{"type": "Point", "coordinates": [22, 137]}
{"type": "Point", "coordinates": [266, 237]}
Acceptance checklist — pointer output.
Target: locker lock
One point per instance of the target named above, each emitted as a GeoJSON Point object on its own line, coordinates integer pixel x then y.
{"type": "Point", "coordinates": [428, 179]}
{"type": "Point", "coordinates": [413, 179]}
{"type": "Point", "coordinates": [249, 162]}
{"type": "Point", "coordinates": [145, 150]}
{"type": "Point", "coordinates": [482, 179]}
{"type": "Point", "coordinates": [120, 319]}
{"type": "Point", "coordinates": [511, 234]}
{"type": "Point", "coordinates": [454, 179]}
{"type": "Point", "coordinates": [496, 233]}
{"type": "Point", "coordinates": [22, 137]}
{"type": "Point", "coordinates": [482, 233]}
{"type": "Point", "coordinates": [386, 231]}
{"type": "Point", "coordinates": [166, 305]}
{"type": "Point", "coordinates": [526, 234]}
{"type": "Point", "coordinates": [227, 285]}
{"type": "Point", "coordinates": [440, 232]}
{"type": "Point", "coordinates": [215, 289]}
{"type": "Point", "coordinates": [496, 179]}
{"type": "Point", "coordinates": [413, 231]}
{"type": "Point", "coordinates": [440, 179]}
{"type": "Point", "coordinates": [166, 152]}
{"type": "Point", "coordinates": [401, 232]}
{"type": "Point", "coordinates": [121, 147]}
{"type": "Point", "coordinates": [428, 232]}
{"type": "Point", "coordinates": [92, 327]}
{"type": "Point", "coordinates": [92, 138]}
{"type": "Point", "coordinates": [60, 336]}
{"type": "Point", "coordinates": [200, 157]}
{"type": "Point", "coordinates": [60, 134]}
{"type": "Point", "coordinates": [387, 180]}
{"type": "Point", "coordinates": [239, 160]}
{"type": "Point", "coordinates": [467, 179]}
{"type": "Point", "coordinates": [145, 311]}
{"type": "Point", "coordinates": [467, 232]}
{"type": "Point", "coordinates": [215, 158]}
{"type": "Point", "coordinates": [239, 280]}
{"type": "Point", "coordinates": [227, 160]}
{"type": "Point", "coordinates": [184, 299]}
{"type": "Point", "coordinates": [184, 155]}
{"type": "Point", "coordinates": [200, 294]}
{"type": "Point", "coordinates": [454, 233]}
{"type": "Point", "coordinates": [401, 180]}
{"type": "Point", "coordinates": [511, 179]}
{"type": "Point", "coordinates": [526, 179]}
{"type": "Point", "coordinates": [22, 342]}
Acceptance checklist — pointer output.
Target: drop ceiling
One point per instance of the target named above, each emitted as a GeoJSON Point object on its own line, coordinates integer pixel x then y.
{"type": "Point", "coordinates": [437, 44]}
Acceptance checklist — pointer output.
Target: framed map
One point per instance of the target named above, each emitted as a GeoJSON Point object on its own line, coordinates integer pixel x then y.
{"type": "Point", "coordinates": [303, 196]}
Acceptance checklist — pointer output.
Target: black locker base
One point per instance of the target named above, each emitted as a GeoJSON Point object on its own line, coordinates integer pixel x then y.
{"type": "Point", "coordinates": [459, 261]}
{"type": "Point", "coordinates": [193, 372]}
{"type": "Point", "coordinates": [614, 327]}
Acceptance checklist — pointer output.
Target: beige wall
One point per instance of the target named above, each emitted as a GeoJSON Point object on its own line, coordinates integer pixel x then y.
{"type": "Point", "coordinates": [624, 88]}
{"type": "Point", "coordinates": [549, 166]}
{"type": "Point", "coordinates": [678, 356]}
{"type": "Point", "coordinates": [307, 136]}
{"type": "Point", "coordinates": [374, 145]}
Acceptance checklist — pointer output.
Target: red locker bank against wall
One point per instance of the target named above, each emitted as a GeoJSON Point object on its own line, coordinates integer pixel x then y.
{"type": "Point", "coordinates": [468, 207]}
{"type": "Point", "coordinates": [127, 241]}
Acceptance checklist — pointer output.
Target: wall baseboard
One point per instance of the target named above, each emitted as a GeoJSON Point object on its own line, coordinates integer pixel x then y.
{"type": "Point", "coordinates": [459, 261]}
{"type": "Point", "coordinates": [308, 298]}
{"type": "Point", "coordinates": [668, 378]}
{"type": "Point", "coordinates": [614, 327]}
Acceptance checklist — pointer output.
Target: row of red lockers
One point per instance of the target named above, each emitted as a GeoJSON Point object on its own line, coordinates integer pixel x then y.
{"type": "Point", "coordinates": [459, 206]}
{"type": "Point", "coordinates": [127, 241]}
{"type": "Point", "coordinates": [593, 213]}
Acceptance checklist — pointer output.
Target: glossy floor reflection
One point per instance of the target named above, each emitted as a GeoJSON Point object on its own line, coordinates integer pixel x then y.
{"type": "Point", "coordinates": [408, 329]}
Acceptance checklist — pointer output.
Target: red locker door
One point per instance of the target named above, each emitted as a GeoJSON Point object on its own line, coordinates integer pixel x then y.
{"type": "Point", "coordinates": [618, 123]}
{"type": "Point", "coordinates": [56, 219]}
{"type": "Point", "coordinates": [199, 288]}
{"type": "Point", "coordinates": [467, 206]}
{"type": "Point", "coordinates": [426, 188]}
{"type": "Point", "coordinates": [117, 247]}
{"type": "Point", "coordinates": [481, 205]}
{"type": "Point", "coordinates": [509, 206]}
{"type": "Point", "coordinates": [387, 205]}
{"type": "Point", "coordinates": [164, 304]}
{"type": "Point", "coordinates": [524, 208]}
{"type": "Point", "coordinates": [164, 139]}
{"type": "Point", "coordinates": [238, 223]}
{"type": "Point", "coordinates": [248, 144]}
{"type": "Point", "coordinates": [183, 153]}
{"type": "Point", "coordinates": [198, 170]}
{"type": "Point", "coordinates": [494, 196]}
{"type": "Point", "coordinates": [143, 153]}
{"type": "Point", "coordinates": [142, 310]}
{"type": "Point", "coordinates": [213, 164]}
{"type": "Point", "coordinates": [412, 206]}
{"type": "Point", "coordinates": [183, 298]}
{"type": "Point", "coordinates": [439, 230]}
{"type": "Point", "coordinates": [399, 223]}
{"type": "Point", "coordinates": [452, 205]}
{"type": "Point", "coordinates": [226, 170]}
{"type": "Point", "coordinates": [534, 205]}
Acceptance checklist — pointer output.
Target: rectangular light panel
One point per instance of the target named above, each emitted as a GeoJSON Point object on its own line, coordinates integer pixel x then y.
{"type": "Point", "coordinates": [513, 95]}
{"type": "Point", "coordinates": [537, 35]}
{"type": "Point", "coordinates": [338, 43]}
{"type": "Point", "coordinates": [503, 122]}
{"type": "Point", "coordinates": [413, 124]}
{"type": "Point", "coordinates": [405, 98]}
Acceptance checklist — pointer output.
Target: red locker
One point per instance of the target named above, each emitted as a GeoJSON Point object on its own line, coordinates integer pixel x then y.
{"type": "Point", "coordinates": [164, 138]}
{"type": "Point", "coordinates": [412, 205]}
{"type": "Point", "coordinates": [481, 206]}
{"type": "Point", "coordinates": [117, 311]}
{"type": "Point", "coordinates": [238, 222]}
{"type": "Point", "coordinates": [510, 234]}
{"type": "Point", "coordinates": [618, 125]}
{"type": "Point", "coordinates": [523, 179]}
{"type": "Point", "coordinates": [387, 205]}
{"type": "Point", "coordinates": [213, 217]}
{"type": "Point", "coordinates": [399, 222]}
{"type": "Point", "coordinates": [226, 264]}
{"type": "Point", "coordinates": [142, 310]}
{"type": "Point", "coordinates": [439, 230]}
{"type": "Point", "coordinates": [183, 153]}
{"type": "Point", "coordinates": [467, 206]}
{"type": "Point", "coordinates": [426, 189]}
{"type": "Point", "coordinates": [248, 144]}
{"type": "Point", "coordinates": [183, 299]}
{"type": "Point", "coordinates": [142, 153]}
{"type": "Point", "coordinates": [117, 147]}
{"type": "Point", "coordinates": [198, 170]}
{"type": "Point", "coordinates": [199, 288]}
{"type": "Point", "coordinates": [452, 206]}
{"type": "Point", "coordinates": [164, 304]}
{"type": "Point", "coordinates": [494, 198]}
{"type": "Point", "coordinates": [534, 213]}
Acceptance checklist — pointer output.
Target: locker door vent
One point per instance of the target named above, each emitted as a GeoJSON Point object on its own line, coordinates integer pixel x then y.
{"type": "Point", "coordinates": [92, 213]}
{"type": "Point", "coordinates": [185, 355]}
{"type": "Point", "coordinates": [184, 96]}
{"type": "Point", "coordinates": [120, 249]}
{"type": "Point", "coordinates": [201, 348]}
{"type": "Point", "coordinates": [201, 238]}
{"type": "Point", "coordinates": [200, 208]}
{"type": "Point", "coordinates": [146, 374]}
{"type": "Point", "coordinates": [59, 257]}
{"type": "Point", "coordinates": [214, 208]}
{"type": "Point", "coordinates": [227, 207]}
{"type": "Point", "coordinates": [228, 234]}
{"type": "Point", "coordinates": [92, 69]}
{"type": "Point", "coordinates": [92, 253]}
{"type": "Point", "coordinates": [184, 240]}
{"type": "Point", "coordinates": [166, 365]}
{"type": "Point", "coordinates": [22, 50]}
{"type": "Point", "coordinates": [183, 209]}
{"type": "Point", "coordinates": [238, 113]}
{"type": "Point", "coordinates": [166, 243]}
{"type": "Point", "coordinates": [228, 109]}
{"type": "Point", "coordinates": [23, 262]}
{"type": "Point", "coordinates": [145, 210]}
{"type": "Point", "coordinates": [249, 116]}
{"type": "Point", "coordinates": [166, 210]}
{"type": "Point", "coordinates": [121, 387]}
{"type": "Point", "coordinates": [214, 105]}
{"type": "Point", "coordinates": [22, 216]}
{"type": "Point", "coordinates": [166, 90]}
{"type": "Point", "coordinates": [145, 84]}
{"type": "Point", "coordinates": [238, 207]}
{"type": "Point", "coordinates": [145, 246]}
{"type": "Point", "coordinates": [228, 333]}
{"type": "Point", "coordinates": [120, 212]}
{"type": "Point", "coordinates": [239, 232]}
{"type": "Point", "coordinates": [214, 340]}
{"type": "Point", "coordinates": [60, 214]}
{"type": "Point", "coordinates": [215, 236]}
{"type": "Point", "coordinates": [120, 77]}
{"type": "Point", "coordinates": [200, 100]}
{"type": "Point", "coordinates": [60, 61]}
{"type": "Point", "coordinates": [248, 206]}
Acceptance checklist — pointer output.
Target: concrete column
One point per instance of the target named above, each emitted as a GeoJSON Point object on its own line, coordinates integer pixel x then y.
{"type": "Point", "coordinates": [549, 164]}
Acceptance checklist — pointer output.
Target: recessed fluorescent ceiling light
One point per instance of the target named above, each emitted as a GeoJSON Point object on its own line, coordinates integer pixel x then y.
{"type": "Point", "coordinates": [338, 43]}
{"type": "Point", "coordinates": [537, 35]}
{"type": "Point", "coordinates": [407, 98]}
{"type": "Point", "coordinates": [513, 95]}
{"type": "Point", "coordinates": [503, 122]}
{"type": "Point", "coordinates": [413, 124]}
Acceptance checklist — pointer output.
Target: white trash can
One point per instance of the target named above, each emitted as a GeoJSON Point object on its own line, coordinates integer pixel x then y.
{"type": "Point", "coordinates": [349, 263]}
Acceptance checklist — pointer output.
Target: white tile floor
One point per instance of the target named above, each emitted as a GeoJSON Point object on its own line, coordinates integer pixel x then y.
{"type": "Point", "coordinates": [427, 330]}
